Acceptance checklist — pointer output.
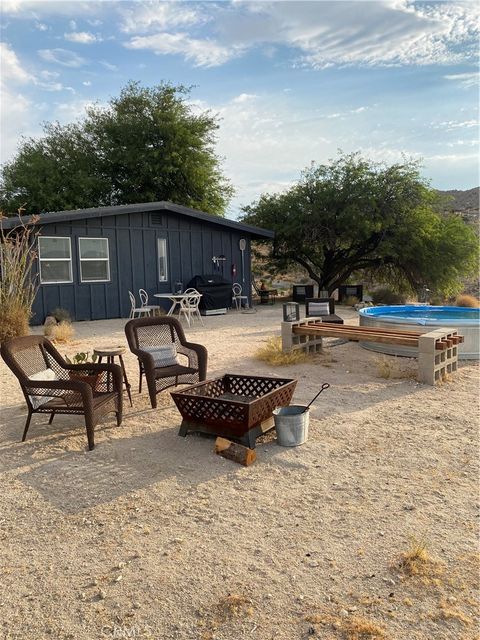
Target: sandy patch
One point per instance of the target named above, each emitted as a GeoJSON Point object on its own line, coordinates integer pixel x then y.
{"type": "Point", "coordinates": [153, 536]}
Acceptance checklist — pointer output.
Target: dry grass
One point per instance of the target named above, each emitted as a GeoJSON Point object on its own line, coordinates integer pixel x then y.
{"type": "Point", "coordinates": [465, 300]}
{"type": "Point", "coordinates": [350, 301]}
{"type": "Point", "coordinates": [272, 354]}
{"type": "Point", "coordinates": [13, 321]}
{"type": "Point", "coordinates": [417, 561]}
{"type": "Point", "coordinates": [449, 612]}
{"type": "Point", "coordinates": [389, 367]}
{"type": "Point", "coordinates": [231, 608]}
{"type": "Point", "coordinates": [350, 627]}
{"type": "Point", "coordinates": [60, 333]}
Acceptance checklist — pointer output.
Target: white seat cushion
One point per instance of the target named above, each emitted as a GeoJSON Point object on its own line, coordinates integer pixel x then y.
{"type": "Point", "coordinates": [163, 356]}
{"type": "Point", "coordinates": [318, 309]}
{"type": "Point", "coordinates": [42, 376]}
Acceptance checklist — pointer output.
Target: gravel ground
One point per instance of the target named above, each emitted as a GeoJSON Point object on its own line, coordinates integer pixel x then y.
{"type": "Point", "coordinates": [153, 536]}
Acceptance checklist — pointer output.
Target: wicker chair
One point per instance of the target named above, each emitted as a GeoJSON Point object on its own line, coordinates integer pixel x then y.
{"type": "Point", "coordinates": [51, 385]}
{"type": "Point", "coordinates": [145, 334]}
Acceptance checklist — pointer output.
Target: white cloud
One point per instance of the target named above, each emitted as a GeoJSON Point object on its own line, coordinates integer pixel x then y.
{"type": "Point", "coordinates": [142, 17]}
{"type": "Point", "coordinates": [466, 80]}
{"type": "Point", "coordinates": [452, 125]}
{"type": "Point", "coordinates": [108, 65]}
{"type": "Point", "coordinates": [87, 83]}
{"type": "Point", "coordinates": [11, 68]}
{"type": "Point", "coordinates": [41, 26]}
{"type": "Point", "coordinates": [63, 57]}
{"type": "Point", "coordinates": [82, 37]}
{"type": "Point", "coordinates": [318, 34]}
{"type": "Point", "coordinates": [203, 53]}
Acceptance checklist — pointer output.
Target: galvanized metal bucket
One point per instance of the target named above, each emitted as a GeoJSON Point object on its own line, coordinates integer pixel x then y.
{"type": "Point", "coordinates": [291, 425]}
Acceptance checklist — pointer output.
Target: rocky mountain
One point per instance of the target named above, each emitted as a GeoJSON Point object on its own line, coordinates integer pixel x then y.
{"type": "Point", "coordinates": [462, 201]}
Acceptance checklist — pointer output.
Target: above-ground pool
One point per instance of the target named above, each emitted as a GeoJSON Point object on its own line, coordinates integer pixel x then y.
{"type": "Point", "coordinates": [466, 320]}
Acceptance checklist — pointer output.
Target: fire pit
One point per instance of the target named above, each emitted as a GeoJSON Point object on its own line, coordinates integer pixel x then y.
{"type": "Point", "coordinates": [235, 406]}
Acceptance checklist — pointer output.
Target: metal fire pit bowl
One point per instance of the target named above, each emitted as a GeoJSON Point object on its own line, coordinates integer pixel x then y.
{"type": "Point", "coordinates": [234, 406]}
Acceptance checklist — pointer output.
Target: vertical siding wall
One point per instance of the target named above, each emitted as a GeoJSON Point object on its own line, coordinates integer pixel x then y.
{"type": "Point", "coordinates": [132, 243]}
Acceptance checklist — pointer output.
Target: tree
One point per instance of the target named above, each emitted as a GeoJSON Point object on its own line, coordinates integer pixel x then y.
{"type": "Point", "coordinates": [147, 145]}
{"type": "Point", "coordinates": [355, 215]}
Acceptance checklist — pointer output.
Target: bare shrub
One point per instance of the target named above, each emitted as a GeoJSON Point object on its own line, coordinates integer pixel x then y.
{"type": "Point", "coordinates": [384, 295]}
{"type": "Point", "coordinates": [18, 287]}
{"type": "Point", "coordinates": [61, 333]}
{"type": "Point", "coordinates": [272, 353]}
{"type": "Point", "coordinates": [467, 301]}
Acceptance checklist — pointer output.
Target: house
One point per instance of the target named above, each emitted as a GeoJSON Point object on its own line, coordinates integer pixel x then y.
{"type": "Point", "coordinates": [89, 259]}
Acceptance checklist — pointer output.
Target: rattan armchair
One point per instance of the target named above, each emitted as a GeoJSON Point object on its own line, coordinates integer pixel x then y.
{"type": "Point", "coordinates": [51, 385]}
{"type": "Point", "coordinates": [146, 334]}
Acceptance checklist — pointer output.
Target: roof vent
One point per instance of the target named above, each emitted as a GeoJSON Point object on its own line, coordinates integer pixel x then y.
{"type": "Point", "coordinates": [156, 218]}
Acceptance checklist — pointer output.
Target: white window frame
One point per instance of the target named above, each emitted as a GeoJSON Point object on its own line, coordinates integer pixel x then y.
{"type": "Point", "coordinates": [164, 254]}
{"type": "Point", "coordinates": [40, 259]}
{"type": "Point", "coordinates": [80, 259]}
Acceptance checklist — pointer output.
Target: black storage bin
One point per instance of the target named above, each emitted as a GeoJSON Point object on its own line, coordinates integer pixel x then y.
{"type": "Point", "coordinates": [349, 290]}
{"type": "Point", "coordinates": [301, 292]}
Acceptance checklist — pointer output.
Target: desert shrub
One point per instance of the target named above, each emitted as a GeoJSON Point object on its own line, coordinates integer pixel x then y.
{"type": "Point", "coordinates": [61, 315]}
{"type": "Point", "coordinates": [62, 332]}
{"type": "Point", "coordinates": [467, 301]}
{"type": "Point", "coordinates": [18, 287]}
{"type": "Point", "coordinates": [350, 301]}
{"type": "Point", "coordinates": [384, 295]}
{"type": "Point", "coordinates": [13, 321]}
{"type": "Point", "coordinates": [272, 353]}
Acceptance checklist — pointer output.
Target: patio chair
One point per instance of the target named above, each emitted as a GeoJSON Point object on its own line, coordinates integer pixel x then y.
{"type": "Point", "coordinates": [267, 296]}
{"type": "Point", "coordinates": [322, 307]}
{"type": "Point", "coordinates": [164, 355]}
{"type": "Point", "coordinates": [189, 306]}
{"type": "Point", "coordinates": [154, 308]}
{"type": "Point", "coordinates": [237, 297]}
{"type": "Point", "coordinates": [140, 311]}
{"type": "Point", "coordinates": [51, 385]}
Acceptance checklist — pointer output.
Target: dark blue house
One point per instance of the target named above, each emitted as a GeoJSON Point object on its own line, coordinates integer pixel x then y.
{"type": "Point", "coordinates": [89, 259]}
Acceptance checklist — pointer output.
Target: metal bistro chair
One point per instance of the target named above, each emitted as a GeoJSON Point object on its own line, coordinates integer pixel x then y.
{"type": "Point", "coordinates": [51, 385]}
{"type": "Point", "coordinates": [137, 311]}
{"type": "Point", "coordinates": [165, 357]}
{"type": "Point", "coordinates": [237, 297]}
{"type": "Point", "coordinates": [154, 308]}
{"type": "Point", "coordinates": [189, 306]}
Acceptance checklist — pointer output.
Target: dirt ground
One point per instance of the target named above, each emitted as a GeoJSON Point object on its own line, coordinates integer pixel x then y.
{"type": "Point", "coordinates": [151, 535]}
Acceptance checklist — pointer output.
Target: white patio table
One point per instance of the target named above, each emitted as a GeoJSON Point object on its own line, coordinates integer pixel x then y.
{"type": "Point", "coordinates": [176, 299]}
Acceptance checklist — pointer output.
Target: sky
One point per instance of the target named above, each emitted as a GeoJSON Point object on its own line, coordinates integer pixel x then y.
{"type": "Point", "coordinates": [292, 82]}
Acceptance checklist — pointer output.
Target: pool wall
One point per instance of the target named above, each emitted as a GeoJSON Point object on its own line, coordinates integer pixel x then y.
{"type": "Point", "coordinates": [397, 316]}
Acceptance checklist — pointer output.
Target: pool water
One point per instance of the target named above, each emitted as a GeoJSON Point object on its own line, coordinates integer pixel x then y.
{"type": "Point", "coordinates": [465, 319]}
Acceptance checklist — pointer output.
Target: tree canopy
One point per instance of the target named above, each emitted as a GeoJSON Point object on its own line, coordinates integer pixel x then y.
{"type": "Point", "coordinates": [147, 145]}
{"type": "Point", "coordinates": [356, 215]}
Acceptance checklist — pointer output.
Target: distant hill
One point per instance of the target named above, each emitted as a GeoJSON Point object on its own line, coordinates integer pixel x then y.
{"type": "Point", "coordinates": [463, 201]}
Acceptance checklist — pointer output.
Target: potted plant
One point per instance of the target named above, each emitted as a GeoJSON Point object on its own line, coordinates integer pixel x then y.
{"type": "Point", "coordinates": [83, 357]}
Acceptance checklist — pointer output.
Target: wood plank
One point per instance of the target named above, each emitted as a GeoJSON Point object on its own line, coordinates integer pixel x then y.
{"type": "Point", "coordinates": [414, 332]}
{"type": "Point", "coordinates": [355, 335]}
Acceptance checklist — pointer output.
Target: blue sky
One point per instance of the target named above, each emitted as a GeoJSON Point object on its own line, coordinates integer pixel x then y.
{"type": "Point", "coordinates": [291, 82]}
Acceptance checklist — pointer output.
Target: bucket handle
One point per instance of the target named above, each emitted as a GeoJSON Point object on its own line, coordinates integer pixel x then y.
{"type": "Point", "coordinates": [325, 385]}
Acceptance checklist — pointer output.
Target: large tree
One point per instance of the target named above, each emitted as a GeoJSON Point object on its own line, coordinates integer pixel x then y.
{"type": "Point", "coordinates": [147, 145]}
{"type": "Point", "coordinates": [356, 215]}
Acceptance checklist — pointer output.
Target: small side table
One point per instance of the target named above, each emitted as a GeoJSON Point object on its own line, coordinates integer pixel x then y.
{"type": "Point", "coordinates": [110, 353]}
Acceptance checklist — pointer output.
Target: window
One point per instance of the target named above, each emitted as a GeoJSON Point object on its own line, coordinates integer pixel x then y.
{"type": "Point", "coordinates": [94, 260]}
{"type": "Point", "coordinates": [55, 257]}
{"type": "Point", "coordinates": [162, 259]}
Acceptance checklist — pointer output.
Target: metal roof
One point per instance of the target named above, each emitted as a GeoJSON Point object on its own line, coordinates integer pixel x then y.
{"type": "Point", "coordinates": [145, 207]}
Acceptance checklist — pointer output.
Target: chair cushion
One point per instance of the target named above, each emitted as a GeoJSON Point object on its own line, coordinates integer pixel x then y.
{"type": "Point", "coordinates": [318, 308]}
{"type": "Point", "coordinates": [46, 375]}
{"type": "Point", "coordinates": [165, 356]}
